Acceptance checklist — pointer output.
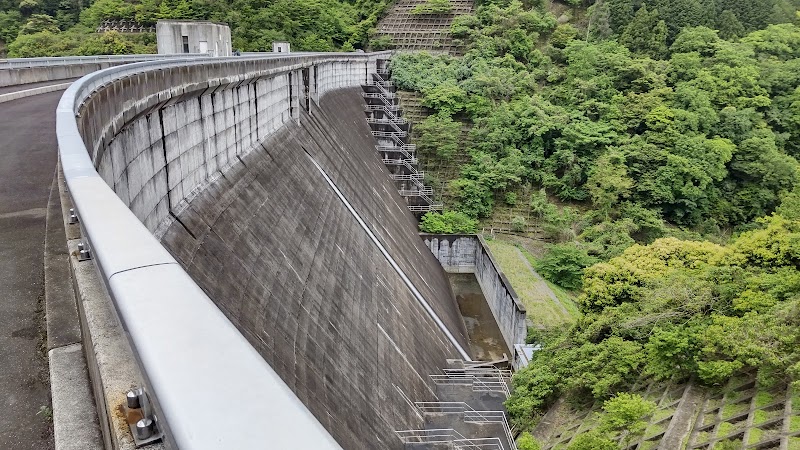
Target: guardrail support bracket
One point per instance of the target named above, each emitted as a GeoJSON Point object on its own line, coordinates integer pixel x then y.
{"type": "Point", "coordinates": [141, 418]}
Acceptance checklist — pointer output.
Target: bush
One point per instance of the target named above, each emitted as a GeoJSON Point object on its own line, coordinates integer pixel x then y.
{"type": "Point", "coordinates": [563, 264]}
{"type": "Point", "coordinates": [527, 442]}
{"type": "Point", "coordinates": [440, 134]}
{"type": "Point", "coordinates": [518, 224]}
{"type": "Point", "coordinates": [592, 441]}
{"type": "Point", "coordinates": [383, 42]}
{"type": "Point", "coordinates": [448, 222]}
{"type": "Point", "coordinates": [511, 198]}
{"type": "Point", "coordinates": [433, 7]}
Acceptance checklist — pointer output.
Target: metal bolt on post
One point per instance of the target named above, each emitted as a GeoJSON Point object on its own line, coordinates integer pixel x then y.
{"type": "Point", "coordinates": [145, 428]}
{"type": "Point", "coordinates": [73, 216]}
{"type": "Point", "coordinates": [83, 252]}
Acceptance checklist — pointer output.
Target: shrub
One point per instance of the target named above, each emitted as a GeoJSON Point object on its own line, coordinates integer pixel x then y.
{"type": "Point", "coordinates": [448, 222]}
{"type": "Point", "coordinates": [518, 224]}
{"type": "Point", "coordinates": [527, 442]}
{"type": "Point", "coordinates": [563, 264]}
{"type": "Point", "coordinates": [433, 7]}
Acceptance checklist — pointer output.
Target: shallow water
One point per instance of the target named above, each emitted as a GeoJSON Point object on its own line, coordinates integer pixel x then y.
{"type": "Point", "coordinates": [486, 341]}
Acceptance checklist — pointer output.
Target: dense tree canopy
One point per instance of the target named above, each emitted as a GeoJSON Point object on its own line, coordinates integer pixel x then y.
{"type": "Point", "coordinates": [657, 125]}
{"type": "Point", "coordinates": [320, 25]}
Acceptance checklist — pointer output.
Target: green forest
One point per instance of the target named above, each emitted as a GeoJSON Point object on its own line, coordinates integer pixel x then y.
{"type": "Point", "coordinates": [31, 28]}
{"type": "Point", "coordinates": [661, 141]}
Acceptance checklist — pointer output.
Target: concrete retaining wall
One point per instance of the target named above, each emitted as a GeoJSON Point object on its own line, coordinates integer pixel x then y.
{"type": "Point", "coordinates": [13, 77]}
{"type": "Point", "coordinates": [470, 254]}
{"type": "Point", "coordinates": [216, 160]}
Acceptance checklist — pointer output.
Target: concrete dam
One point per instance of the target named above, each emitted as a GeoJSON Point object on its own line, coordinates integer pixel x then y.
{"type": "Point", "coordinates": [238, 219]}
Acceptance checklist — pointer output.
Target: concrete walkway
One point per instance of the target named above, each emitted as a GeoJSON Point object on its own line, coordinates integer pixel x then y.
{"type": "Point", "coordinates": [28, 155]}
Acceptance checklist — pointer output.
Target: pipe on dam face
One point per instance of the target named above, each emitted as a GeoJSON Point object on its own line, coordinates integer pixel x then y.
{"type": "Point", "coordinates": [417, 295]}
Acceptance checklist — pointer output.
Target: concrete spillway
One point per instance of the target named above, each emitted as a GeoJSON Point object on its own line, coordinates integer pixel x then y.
{"type": "Point", "coordinates": [279, 253]}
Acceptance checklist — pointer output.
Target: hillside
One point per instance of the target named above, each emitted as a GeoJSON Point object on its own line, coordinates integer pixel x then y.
{"type": "Point", "coordinates": [59, 28]}
{"type": "Point", "coordinates": [648, 152]}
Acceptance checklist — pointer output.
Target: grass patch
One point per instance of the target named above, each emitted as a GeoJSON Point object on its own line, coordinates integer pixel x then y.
{"type": "Point", "coordinates": [755, 436]}
{"type": "Point", "coordinates": [532, 291]}
{"type": "Point", "coordinates": [566, 297]}
{"type": "Point", "coordinates": [763, 399]}
{"type": "Point", "coordinates": [794, 424]}
{"type": "Point", "coordinates": [760, 417]}
{"type": "Point", "coordinates": [732, 409]}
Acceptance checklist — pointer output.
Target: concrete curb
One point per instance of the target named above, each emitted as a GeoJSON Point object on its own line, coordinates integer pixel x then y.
{"type": "Point", "coordinates": [112, 368]}
{"type": "Point", "coordinates": [35, 91]}
{"type": "Point", "coordinates": [75, 424]}
{"type": "Point", "coordinates": [74, 420]}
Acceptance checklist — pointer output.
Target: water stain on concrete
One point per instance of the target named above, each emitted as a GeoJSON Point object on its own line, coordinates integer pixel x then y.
{"type": "Point", "coordinates": [485, 340]}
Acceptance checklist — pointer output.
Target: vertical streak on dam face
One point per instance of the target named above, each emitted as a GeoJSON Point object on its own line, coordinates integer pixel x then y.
{"type": "Point", "coordinates": [394, 265]}
{"type": "Point", "coordinates": [282, 256]}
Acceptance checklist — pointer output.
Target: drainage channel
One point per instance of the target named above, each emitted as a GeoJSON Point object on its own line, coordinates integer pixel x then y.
{"type": "Point", "coordinates": [485, 338]}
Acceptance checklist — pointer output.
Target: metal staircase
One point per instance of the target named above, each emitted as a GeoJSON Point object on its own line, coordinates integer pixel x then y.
{"type": "Point", "coordinates": [469, 411]}
{"type": "Point", "coordinates": [385, 118]}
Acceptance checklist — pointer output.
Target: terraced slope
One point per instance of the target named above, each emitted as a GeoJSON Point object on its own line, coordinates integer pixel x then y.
{"type": "Point", "coordinates": [430, 32]}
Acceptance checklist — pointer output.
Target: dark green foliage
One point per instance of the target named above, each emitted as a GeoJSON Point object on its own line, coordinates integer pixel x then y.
{"type": "Point", "coordinates": [563, 264]}
{"type": "Point", "coordinates": [646, 34]}
{"type": "Point", "coordinates": [440, 134]}
{"type": "Point", "coordinates": [308, 24]}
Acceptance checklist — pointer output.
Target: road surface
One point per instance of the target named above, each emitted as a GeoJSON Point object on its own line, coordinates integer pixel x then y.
{"type": "Point", "coordinates": [28, 155]}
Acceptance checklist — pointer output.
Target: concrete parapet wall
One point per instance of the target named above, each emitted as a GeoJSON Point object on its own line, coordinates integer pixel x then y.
{"type": "Point", "coordinates": [187, 127]}
{"type": "Point", "coordinates": [15, 76]}
{"type": "Point", "coordinates": [469, 253]}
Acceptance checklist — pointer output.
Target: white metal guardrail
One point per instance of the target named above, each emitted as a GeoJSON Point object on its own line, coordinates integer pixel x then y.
{"type": "Point", "coordinates": [210, 387]}
{"type": "Point", "coordinates": [21, 63]}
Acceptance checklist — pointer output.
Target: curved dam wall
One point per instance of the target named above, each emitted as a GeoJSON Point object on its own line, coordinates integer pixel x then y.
{"type": "Point", "coordinates": [231, 165]}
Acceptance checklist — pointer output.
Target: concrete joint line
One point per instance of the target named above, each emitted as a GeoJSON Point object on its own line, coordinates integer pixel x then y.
{"type": "Point", "coordinates": [141, 267]}
{"type": "Point", "coordinates": [420, 298]}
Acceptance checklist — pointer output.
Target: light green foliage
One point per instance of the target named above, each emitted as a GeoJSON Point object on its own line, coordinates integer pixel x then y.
{"type": "Point", "coordinates": [592, 441]}
{"type": "Point", "coordinates": [518, 224]}
{"type": "Point", "coordinates": [448, 222]}
{"type": "Point", "coordinates": [677, 309]}
{"type": "Point", "coordinates": [510, 198]}
{"type": "Point", "coordinates": [101, 10]}
{"type": "Point", "coordinates": [433, 7]}
{"type": "Point", "coordinates": [527, 442]}
{"type": "Point", "coordinates": [625, 413]}
{"type": "Point", "coordinates": [608, 181]}
{"type": "Point", "coordinates": [38, 23]}
{"type": "Point", "coordinates": [75, 43]}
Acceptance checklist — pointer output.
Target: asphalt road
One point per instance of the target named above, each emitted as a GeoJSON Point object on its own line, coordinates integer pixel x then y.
{"type": "Point", "coordinates": [28, 155]}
